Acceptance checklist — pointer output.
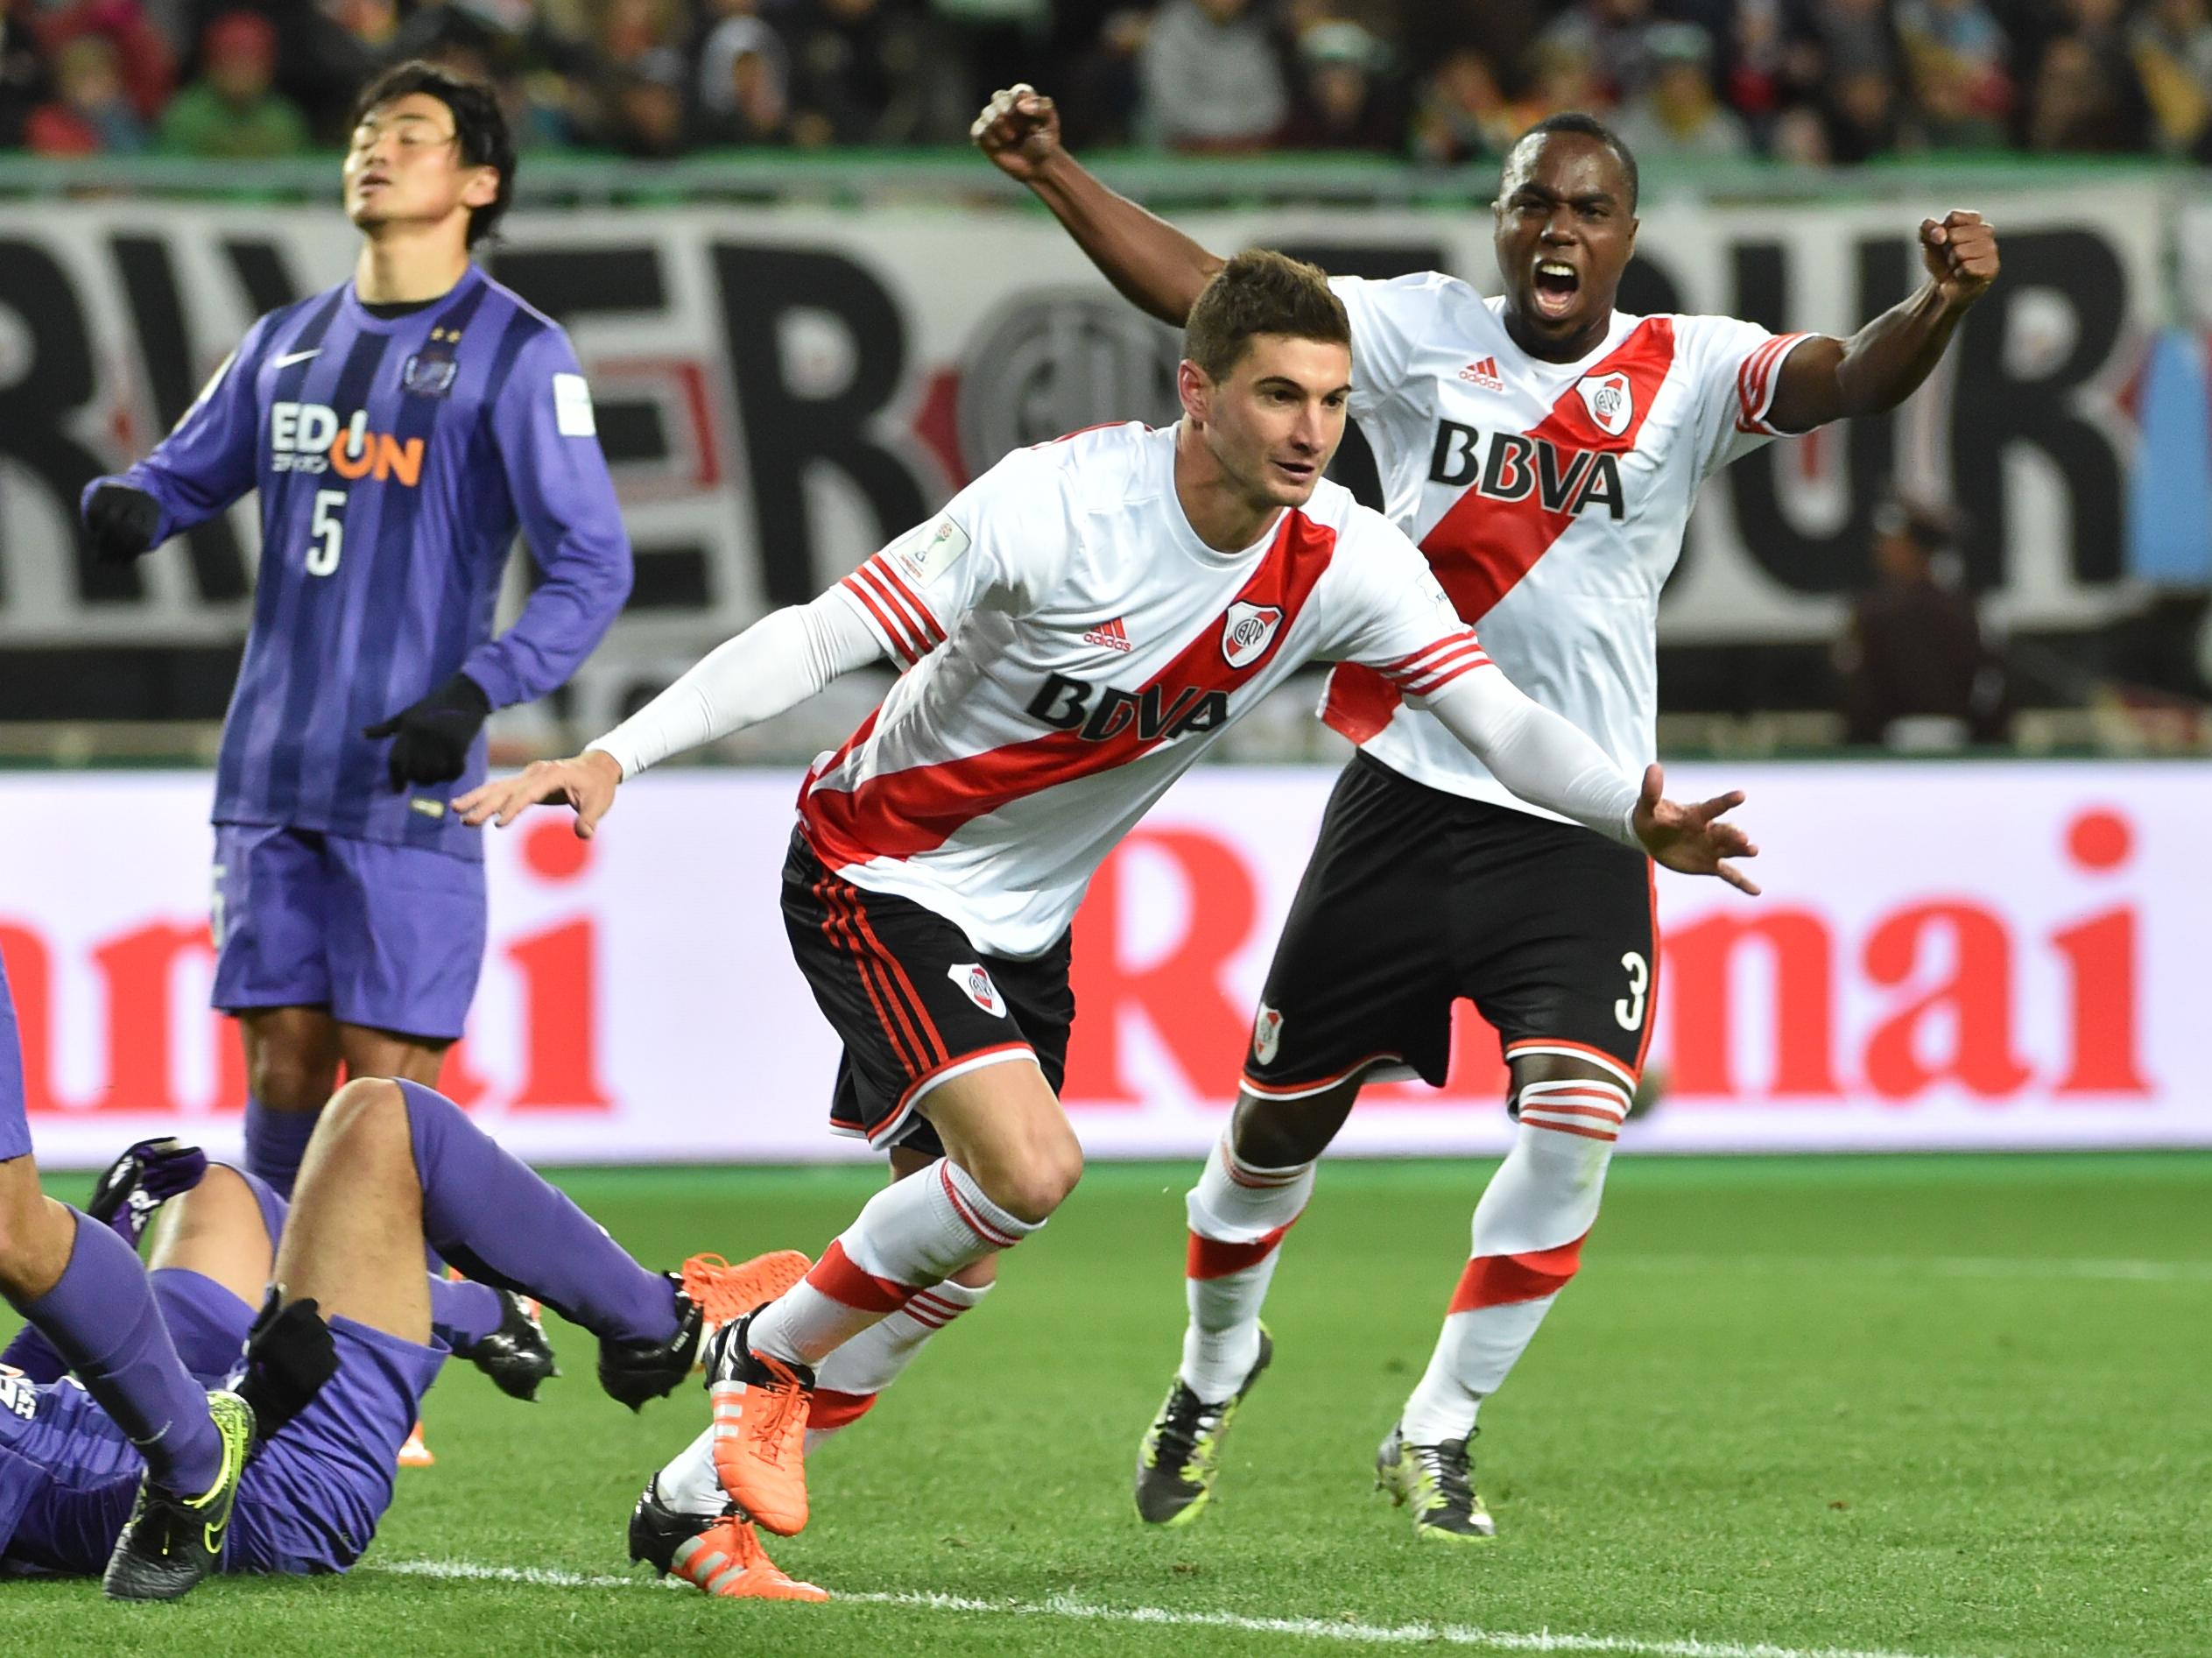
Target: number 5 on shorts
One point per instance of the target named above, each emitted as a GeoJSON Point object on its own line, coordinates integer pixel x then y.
{"type": "Point", "coordinates": [1629, 1011]}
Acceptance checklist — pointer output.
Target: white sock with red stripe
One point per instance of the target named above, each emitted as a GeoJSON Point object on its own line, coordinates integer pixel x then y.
{"type": "Point", "coordinates": [847, 1383]}
{"type": "Point", "coordinates": [1528, 1235]}
{"type": "Point", "coordinates": [1238, 1214]}
{"type": "Point", "coordinates": [914, 1234]}
{"type": "Point", "coordinates": [689, 1484]}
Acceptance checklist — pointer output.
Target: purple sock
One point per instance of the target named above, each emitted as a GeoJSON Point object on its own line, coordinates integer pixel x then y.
{"type": "Point", "coordinates": [101, 1317]}
{"type": "Point", "coordinates": [461, 1312]}
{"type": "Point", "coordinates": [275, 1143]}
{"type": "Point", "coordinates": [493, 1218]}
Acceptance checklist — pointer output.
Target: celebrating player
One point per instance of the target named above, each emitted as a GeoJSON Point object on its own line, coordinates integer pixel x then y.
{"type": "Point", "coordinates": [336, 1364]}
{"type": "Point", "coordinates": [1081, 624]}
{"type": "Point", "coordinates": [1544, 451]}
{"type": "Point", "coordinates": [399, 428]}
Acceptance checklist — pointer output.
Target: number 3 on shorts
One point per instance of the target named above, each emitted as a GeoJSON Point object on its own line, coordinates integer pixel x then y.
{"type": "Point", "coordinates": [1629, 1011]}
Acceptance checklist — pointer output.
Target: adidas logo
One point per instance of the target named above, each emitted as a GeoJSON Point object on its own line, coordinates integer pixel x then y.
{"type": "Point", "coordinates": [1484, 374]}
{"type": "Point", "coordinates": [1111, 634]}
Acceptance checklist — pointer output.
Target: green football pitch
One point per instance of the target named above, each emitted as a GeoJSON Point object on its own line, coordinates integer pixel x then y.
{"type": "Point", "coordinates": [1955, 1407]}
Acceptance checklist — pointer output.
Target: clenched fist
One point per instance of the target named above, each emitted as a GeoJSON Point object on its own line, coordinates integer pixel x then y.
{"type": "Point", "coordinates": [1018, 130]}
{"type": "Point", "coordinates": [1960, 254]}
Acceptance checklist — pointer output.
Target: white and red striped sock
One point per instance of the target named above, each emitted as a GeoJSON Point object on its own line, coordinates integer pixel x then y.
{"type": "Point", "coordinates": [914, 1232]}
{"type": "Point", "coordinates": [847, 1382]}
{"type": "Point", "coordinates": [1528, 1233]}
{"type": "Point", "coordinates": [1238, 1214]}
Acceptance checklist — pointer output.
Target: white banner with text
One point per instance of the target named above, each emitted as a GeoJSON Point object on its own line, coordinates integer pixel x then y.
{"type": "Point", "coordinates": [1946, 956]}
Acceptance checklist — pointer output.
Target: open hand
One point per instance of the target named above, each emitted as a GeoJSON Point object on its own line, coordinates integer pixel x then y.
{"type": "Point", "coordinates": [1692, 838]}
{"type": "Point", "coordinates": [1018, 130]}
{"type": "Point", "coordinates": [1960, 254]}
{"type": "Point", "coordinates": [586, 782]}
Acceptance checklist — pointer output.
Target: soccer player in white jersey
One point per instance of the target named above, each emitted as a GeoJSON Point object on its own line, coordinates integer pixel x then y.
{"type": "Point", "coordinates": [1080, 625]}
{"type": "Point", "coordinates": [1544, 451]}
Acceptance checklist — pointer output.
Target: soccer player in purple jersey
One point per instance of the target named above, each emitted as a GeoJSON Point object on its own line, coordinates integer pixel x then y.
{"type": "Point", "coordinates": [400, 427]}
{"type": "Point", "coordinates": [338, 1361]}
{"type": "Point", "coordinates": [81, 1288]}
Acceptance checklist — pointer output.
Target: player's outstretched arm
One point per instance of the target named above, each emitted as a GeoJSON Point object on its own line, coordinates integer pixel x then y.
{"type": "Point", "coordinates": [1826, 379]}
{"type": "Point", "coordinates": [1549, 762]}
{"type": "Point", "coordinates": [1153, 265]}
{"type": "Point", "coordinates": [774, 665]}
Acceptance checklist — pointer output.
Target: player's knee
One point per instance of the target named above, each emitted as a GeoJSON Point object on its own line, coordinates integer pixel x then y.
{"type": "Point", "coordinates": [287, 1081]}
{"type": "Point", "coordinates": [1039, 1183]}
{"type": "Point", "coordinates": [1276, 1134]}
{"type": "Point", "coordinates": [366, 1111]}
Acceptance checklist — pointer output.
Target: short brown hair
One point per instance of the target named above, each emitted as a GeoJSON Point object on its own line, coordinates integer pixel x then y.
{"type": "Point", "coordinates": [1261, 292]}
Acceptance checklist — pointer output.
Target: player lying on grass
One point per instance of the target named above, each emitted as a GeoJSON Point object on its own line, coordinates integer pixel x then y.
{"type": "Point", "coordinates": [1081, 624]}
{"type": "Point", "coordinates": [334, 1369]}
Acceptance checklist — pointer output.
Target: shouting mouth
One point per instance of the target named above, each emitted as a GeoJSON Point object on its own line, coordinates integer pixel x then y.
{"type": "Point", "coordinates": [1557, 283]}
{"type": "Point", "coordinates": [1297, 472]}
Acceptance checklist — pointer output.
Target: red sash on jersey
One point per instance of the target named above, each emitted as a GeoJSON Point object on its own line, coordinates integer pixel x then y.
{"type": "Point", "coordinates": [1482, 547]}
{"type": "Point", "coordinates": [898, 814]}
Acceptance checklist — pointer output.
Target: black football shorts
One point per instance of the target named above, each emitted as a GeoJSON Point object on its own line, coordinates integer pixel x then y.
{"type": "Point", "coordinates": [1414, 898]}
{"type": "Point", "coordinates": [915, 1003]}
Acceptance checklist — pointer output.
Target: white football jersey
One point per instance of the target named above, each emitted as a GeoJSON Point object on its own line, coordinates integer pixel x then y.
{"type": "Point", "coordinates": [1073, 647]}
{"type": "Point", "coordinates": [1549, 497]}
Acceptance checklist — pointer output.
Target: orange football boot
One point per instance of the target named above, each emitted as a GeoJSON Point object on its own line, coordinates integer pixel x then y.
{"type": "Point", "coordinates": [726, 1293]}
{"type": "Point", "coordinates": [760, 1430]}
{"type": "Point", "coordinates": [727, 1560]}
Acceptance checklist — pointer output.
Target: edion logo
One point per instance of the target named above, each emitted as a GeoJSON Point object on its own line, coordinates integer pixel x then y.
{"type": "Point", "coordinates": [309, 437]}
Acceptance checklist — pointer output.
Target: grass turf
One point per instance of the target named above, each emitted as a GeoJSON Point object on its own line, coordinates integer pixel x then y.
{"type": "Point", "coordinates": [1944, 1406]}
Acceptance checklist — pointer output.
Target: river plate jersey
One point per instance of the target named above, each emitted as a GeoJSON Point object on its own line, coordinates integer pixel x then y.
{"type": "Point", "coordinates": [1550, 500]}
{"type": "Point", "coordinates": [1074, 647]}
{"type": "Point", "coordinates": [396, 458]}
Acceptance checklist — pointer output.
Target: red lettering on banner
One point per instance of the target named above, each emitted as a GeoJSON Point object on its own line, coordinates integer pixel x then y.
{"type": "Point", "coordinates": [2100, 956]}
{"type": "Point", "coordinates": [1977, 995]}
{"type": "Point", "coordinates": [559, 970]}
{"type": "Point", "coordinates": [141, 1032]}
{"type": "Point", "coordinates": [1180, 995]}
{"type": "Point", "coordinates": [1699, 973]}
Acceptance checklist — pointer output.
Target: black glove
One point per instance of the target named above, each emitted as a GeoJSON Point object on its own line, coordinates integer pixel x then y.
{"type": "Point", "coordinates": [141, 1180]}
{"type": "Point", "coordinates": [289, 1356]}
{"type": "Point", "coordinates": [121, 522]}
{"type": "Point", "coordinates": [430, 739]}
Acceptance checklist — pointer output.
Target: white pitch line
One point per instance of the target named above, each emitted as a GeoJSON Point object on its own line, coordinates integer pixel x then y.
{"type": "Point", "coordinates": [2141, 1272]}
{"type": "Point", "coordinates": [1344, 1629]}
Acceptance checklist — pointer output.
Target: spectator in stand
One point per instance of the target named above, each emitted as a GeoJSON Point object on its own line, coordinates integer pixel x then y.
{"type": "Point", "coordinates": [869, 72]}
{"type": "Point", "coordinates": [90, 114]}
{"type": "Point", "coordinates": [1615, 37]}
{"type": "Point", "coordinates": [1916, 672]}
{"type": "Point", "coordinates": [1345, 99]}
{"type": "Point", "coordinates": [744, 83]}
{"type": "Point", "coordinates": [1463, 115]}
{"type": "Point", "coordinates": [1678, 113]}
{"type": "Point", "coordinates": [25, 81]}
{"type": "Point", "coordinates": [232, 112]}
{"type": "Point", "coordinates": [1105, 87]}
{"type": "Point", "coordinates": [1562, 75]}
{"type": "Point", "coordinates": [139, 57]}
{"type": "Point", "coordinates": [2087, 97]}
{"type": "Point", "coordinates": [1213, 77]}
{"type": "Point", "coordinates": [548, 78]}
{"type": "Point", "coordinates": [2171, 43]}
{"type": "Point", "coordinates": [1754, 84]}
{"type": "Point", "coordinates": [645, 115]}
{"type": "Point", "coordinates": [1961, 80]}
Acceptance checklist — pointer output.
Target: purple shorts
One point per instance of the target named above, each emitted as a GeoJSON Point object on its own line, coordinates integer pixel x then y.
{"type": "Point", "coordinates": [310, 1501]}
{"type": "Point", "coordinates": [15, 1127]}
{"type": "Point", "coordinates": [391, 937]}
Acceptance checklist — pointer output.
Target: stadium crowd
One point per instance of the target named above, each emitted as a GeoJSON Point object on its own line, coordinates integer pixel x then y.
{"type": "Point", "coordinates": [1837, 82]}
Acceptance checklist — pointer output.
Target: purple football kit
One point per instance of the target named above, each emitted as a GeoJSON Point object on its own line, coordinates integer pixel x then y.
{"type": "Point", "coordinates": [398, 451]}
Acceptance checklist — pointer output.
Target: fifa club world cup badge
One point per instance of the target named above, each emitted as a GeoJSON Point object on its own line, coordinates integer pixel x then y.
{"type": "Point", "coordinates": [971, 979]}
{"type": "Point", "coordinates": [1609, 400]}
{"type": "Point", "coordinates": [1247, 630]}
{"type": "Point", "coordinates": [429, 372]}
{"type": "Point", "coordinates": [1267, 1034]}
